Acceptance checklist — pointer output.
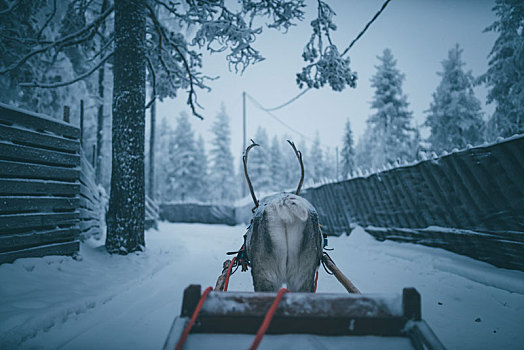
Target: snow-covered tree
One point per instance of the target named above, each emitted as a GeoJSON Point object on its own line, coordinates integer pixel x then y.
{"type": "Point", "coordinates": [148, 34]}
{"type": "Point", "coordinates": [24, 24]}
{"type": "Point", "coordinates": [347, 155]}
{"type": "Point", "coordinates": [390, 126]}
{"type": "Point", "coordinates": [162, 180]}
{"type": "Point", "coordinates": [201, 191]}
{"type": "Point", "coordinates": [185, 171]}
{"type": "Point", "coordinates": [316, 160]}
{"type": "Point", "coordinates": [330, 164]}
{"type": "Point", "coordinates": [277, 165]}
{"type": "Point", "coordinates": [454, 116]}
{"type": "Point", "coordinates": [364, 149]}
{"type": "Point", "coordinates": [223, 186]}
{"type": "Point", "coordinates": [505, 75]}
{"type": "Point", "coordinates": [259, 163]}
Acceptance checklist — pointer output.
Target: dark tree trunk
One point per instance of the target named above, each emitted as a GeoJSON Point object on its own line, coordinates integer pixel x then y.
{"type": "Point", "coordinates": [100, 126]}
{"type": "Point", "coordinates": [151, 189]}
{"type": "Point", "coordinates": [125, 219]}
{"type": "Point", "coordinates": [100, 117]}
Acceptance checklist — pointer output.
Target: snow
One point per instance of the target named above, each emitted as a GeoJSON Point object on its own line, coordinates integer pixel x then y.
{"type": "Point", "coordinates": [107, 301]}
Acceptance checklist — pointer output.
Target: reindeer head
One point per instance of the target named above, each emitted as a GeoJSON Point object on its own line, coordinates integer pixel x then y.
{"type": "Point", "coordinates": [284, 242]}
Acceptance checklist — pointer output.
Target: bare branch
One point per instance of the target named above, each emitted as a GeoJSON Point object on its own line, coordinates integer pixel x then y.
{"type": "Point", "coordinates": [244, 159]}
{"type": "Point", "coordinates": [65, 83]}
{"type": "Point", "coordinates": [102, 49]}
{"type": "Point", "coordinates": [366, 27]}
{"type": "Point", "coordinates": [65, 41]}
{"type": "Point", "coordinates": [170, 9]}
{"type": "Point", "coordinates": [48, 20]}
{"type": "Point", "coordinates": [299, 156]}
{"type": "Point", "coordinates": [10, 8]}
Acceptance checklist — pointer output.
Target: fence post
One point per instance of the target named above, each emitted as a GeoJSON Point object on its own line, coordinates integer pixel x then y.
{"type": "Point", "coordinates": [82, 124]}
{"type": "Point", "coordinates": [93, 158]}
{"type": "Point", "coordinates": [66, 114]}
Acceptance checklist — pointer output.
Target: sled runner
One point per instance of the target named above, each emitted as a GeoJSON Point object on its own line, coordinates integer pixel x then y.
{"type": "Point", "coordinates": [229, 320]}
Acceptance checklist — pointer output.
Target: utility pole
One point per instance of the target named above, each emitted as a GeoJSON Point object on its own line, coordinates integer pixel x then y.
{"type": "Point", "coordinates": [244, 189]}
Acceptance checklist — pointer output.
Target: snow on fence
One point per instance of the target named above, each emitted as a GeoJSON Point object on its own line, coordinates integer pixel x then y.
{"type": "Point", "coordinates": [39, 185]}
{"type": "Point", "coordinates": [91, 202]}
{"type": "Point", "coordinates": [470, 202]}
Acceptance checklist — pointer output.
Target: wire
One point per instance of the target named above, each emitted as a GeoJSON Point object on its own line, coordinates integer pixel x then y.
{"type": "Point", "coordinates": [302, 93]}
{"type": "Point", "coordinates": [286, 103]}
{"type": "Point", "coordinates": [366, 27]}
{"type": "Point", "coordinates": [259, 106]}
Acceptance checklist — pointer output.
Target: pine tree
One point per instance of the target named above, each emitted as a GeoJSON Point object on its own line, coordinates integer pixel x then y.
{"type": "Point", "coordinates": [201, 191]}
{"type": "Point", "coordinates": [330, 165]}
{"type": "Point", "coordinates": [277, 166]}
{"type": "Point", "coordinates": [506, 70]}
{"type": "Point", "coordinates": [223, 186]}
{"type": "Point", "coordinates": [162, 179]}
{"type": "Point", "coordinates": [364, 149]}
{"type": "Point", "coordinates": [391, 124]}
{"type": "Point", "coordinates": [348, 152]}
{"type": "Point", "coordinates": [184, 171]}
{"type": "Point", "coordinates": [258, 163]}
{"type": "Point", "coordinates": [455, 116]}
{"type": "Point", "coordinates": [316, 160]}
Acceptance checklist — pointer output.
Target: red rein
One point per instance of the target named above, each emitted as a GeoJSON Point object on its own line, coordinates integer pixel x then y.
{"type": "Point", "coordinates": [261, 331]}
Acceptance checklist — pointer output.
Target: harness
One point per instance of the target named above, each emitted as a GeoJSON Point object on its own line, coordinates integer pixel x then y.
{"type": "Point", "coordinates": [242, 259]}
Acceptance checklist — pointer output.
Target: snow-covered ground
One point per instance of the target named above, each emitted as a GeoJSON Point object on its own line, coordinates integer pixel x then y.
{"type": "Point", "coordinates": [129, 302]}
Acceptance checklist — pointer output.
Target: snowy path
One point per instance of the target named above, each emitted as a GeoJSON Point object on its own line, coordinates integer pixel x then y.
{"type": "Point", "coordinates": [129, 302]}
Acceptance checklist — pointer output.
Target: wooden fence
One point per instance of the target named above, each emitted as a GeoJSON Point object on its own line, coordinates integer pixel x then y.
{"type": "Point", "coordinates": [470, 202]}
{"type": "Point", "coordinates": [39, 185]}
{"type": "Point", "coordinates": [48, 196]}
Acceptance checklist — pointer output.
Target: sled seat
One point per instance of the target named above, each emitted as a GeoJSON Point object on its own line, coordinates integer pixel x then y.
{"type": "Point", "coordinates": [305, 321]}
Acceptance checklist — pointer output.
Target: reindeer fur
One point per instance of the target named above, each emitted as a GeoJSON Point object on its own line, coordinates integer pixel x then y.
{"type": "Point", "coordinates": [284, 244]}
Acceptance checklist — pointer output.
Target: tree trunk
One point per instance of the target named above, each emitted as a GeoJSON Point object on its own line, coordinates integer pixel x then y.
{"type": "Point", "coordinates": [100, 117]}
{"type": "Point", "coordinates": [100, 126]}
{"type": "Point", "coordinates": [151, 189]}
{"type": "Point", "coordinates": [126, 215]}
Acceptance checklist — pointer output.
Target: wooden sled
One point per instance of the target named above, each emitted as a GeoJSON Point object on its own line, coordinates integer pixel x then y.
{"type": "Point", "coordinates": [229, 320]}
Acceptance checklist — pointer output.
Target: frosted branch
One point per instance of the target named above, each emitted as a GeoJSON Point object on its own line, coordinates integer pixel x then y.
{"type": "Point", "coordinates": [65, 83]}
{"type": "Point", "coordinates": [68, 40]}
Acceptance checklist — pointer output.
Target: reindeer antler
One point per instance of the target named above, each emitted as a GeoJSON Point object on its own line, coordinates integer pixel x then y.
{"type": "Point", "coordinates": [299, 156]}
{"type": "Point", "coordinates": [244, 159]}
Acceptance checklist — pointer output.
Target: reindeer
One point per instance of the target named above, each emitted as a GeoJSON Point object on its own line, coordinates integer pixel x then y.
{"type": "Point", "coordinates": [284, 241]}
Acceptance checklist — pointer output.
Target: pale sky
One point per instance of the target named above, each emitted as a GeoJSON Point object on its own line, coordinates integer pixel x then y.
{"type": "Point", "coordinates": [419, 33]}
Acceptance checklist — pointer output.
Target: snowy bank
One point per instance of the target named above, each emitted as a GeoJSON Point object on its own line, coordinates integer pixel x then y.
{"type": "Point", "coordinates": [116, 302]}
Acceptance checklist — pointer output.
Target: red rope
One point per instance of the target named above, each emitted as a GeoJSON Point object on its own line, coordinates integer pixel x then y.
{"type": "Point", "coordinates": [316, 280]}
{"type": "Point", "coordinates": [184, 335]}
{"type": "Point", "coordinates": [228, 274]}
{"type": "Point", "coordinates": [267, 320]}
